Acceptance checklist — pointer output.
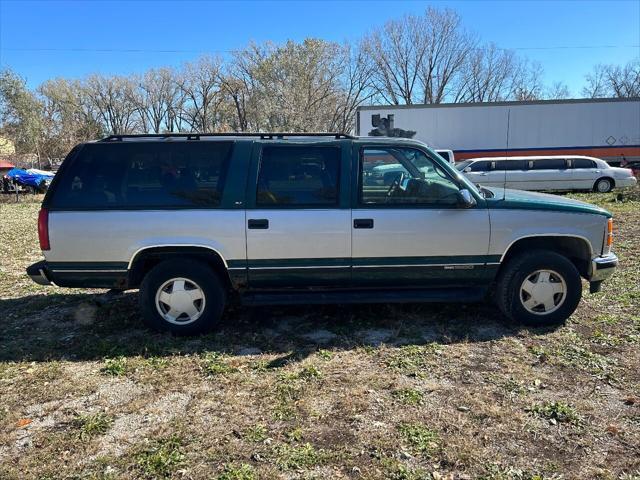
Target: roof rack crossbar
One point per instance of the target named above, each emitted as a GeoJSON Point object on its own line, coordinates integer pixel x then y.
{"type": "Point", "coordinates": [198, 136]}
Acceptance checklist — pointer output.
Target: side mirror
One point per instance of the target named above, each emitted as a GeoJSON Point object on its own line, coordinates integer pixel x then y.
{"type": "Point", "coordinates": [465, 199]}
{"type": "Point", "coordinates": [467, 170]}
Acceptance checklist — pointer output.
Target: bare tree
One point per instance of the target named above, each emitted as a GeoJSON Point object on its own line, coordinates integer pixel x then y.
{"type": "Point", "coordinates": [487, 77]}
{"type": "Point", "coordinates": [241, 84]}
{"type": "Point", "coordinates": [156, 94]}
{"type": "Point", "coordinates": [448, 47]}
{"type": "Point", "coordinates": [527, 82]}
{"type": "Point", "coordinates": [111, 99]}
{"type": "Point", "coordinates": [398, 50]}
{"type": "Point", "coordinates": [296, 86]}
{"type": "Point", "coordinates": [200, 85]}
{"type": "Point", "coordinates": [68, 117]}
{"type": "Point", "coordinates": [355, 87]}
{"type": "Point", "coordinates": [558, 91]}
{"type": "Point", "coordinates": [419, 58]}
{"type": "Point", "coordinates": [614, 81]}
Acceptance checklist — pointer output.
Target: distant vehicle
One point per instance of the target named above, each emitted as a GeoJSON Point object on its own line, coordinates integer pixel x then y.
{"type": "Point", "coordinates": [634, 166]}
{"type": "Point", "coordinates": [447, 155]}
{"type": "Point", "coordinates": [34, 179]}
{"type": "Point", "coordinates": [559, 173]}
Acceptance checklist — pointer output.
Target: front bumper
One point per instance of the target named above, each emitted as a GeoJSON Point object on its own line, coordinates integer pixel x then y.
{"type": "Point", "coordinates": [603, 267]}
{"type": "Point", "coordinates": [39, 273]}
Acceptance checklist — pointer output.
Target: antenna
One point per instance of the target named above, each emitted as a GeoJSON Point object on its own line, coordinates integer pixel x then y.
{"type": "Point", "coordinates": [504, 185]}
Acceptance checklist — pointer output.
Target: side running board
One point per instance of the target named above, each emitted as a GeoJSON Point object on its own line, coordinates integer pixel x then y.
{"type": "Point", "coordinates": [432, 295]}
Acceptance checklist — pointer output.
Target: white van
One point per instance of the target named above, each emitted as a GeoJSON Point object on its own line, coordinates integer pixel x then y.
{"type": "Point", "coordinates": [560, 173]}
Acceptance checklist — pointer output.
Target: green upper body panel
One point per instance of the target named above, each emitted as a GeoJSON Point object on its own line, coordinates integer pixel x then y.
{"type": "Point", "coordinates": [523, 200]}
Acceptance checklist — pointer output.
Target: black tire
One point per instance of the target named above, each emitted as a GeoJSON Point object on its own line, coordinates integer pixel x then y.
{"type": "Point", "coordinates": [209, 283]}
{"type": "Point", "coordinates": [508, 294]}
{"type": "Point", "coordinates": [603, 185]}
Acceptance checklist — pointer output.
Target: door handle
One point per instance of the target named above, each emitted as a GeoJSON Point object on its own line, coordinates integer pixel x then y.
{"type": "Point", "coordinates": [258, 223]}
{"type": "Point", "coordinates": [363, 223]}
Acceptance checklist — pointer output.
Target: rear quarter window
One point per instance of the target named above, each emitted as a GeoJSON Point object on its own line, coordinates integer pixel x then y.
{"type": "Point", "coordinates": [139, 175]}
{"type": "Point", "coordinates": [582, 163]}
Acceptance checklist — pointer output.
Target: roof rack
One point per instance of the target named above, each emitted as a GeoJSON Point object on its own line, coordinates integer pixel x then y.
{"type": "Point", "coordinates": [197, 136]}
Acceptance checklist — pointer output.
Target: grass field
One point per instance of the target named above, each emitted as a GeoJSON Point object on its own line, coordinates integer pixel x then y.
{"type": "Point", "coordinates": [377, 392]}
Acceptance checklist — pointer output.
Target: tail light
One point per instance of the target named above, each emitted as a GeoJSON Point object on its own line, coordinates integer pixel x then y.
{"type": "Point", "coordinates": [43, 229]}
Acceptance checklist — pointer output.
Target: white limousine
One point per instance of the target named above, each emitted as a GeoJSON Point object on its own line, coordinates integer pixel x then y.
{"type": "Point", "coordinates": [560, 173]}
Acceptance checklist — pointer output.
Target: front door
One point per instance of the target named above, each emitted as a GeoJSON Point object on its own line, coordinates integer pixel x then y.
{"type": "Point", "coordinates": [298, 217]}
{"type": "Point", "coordinates": [411, 231]}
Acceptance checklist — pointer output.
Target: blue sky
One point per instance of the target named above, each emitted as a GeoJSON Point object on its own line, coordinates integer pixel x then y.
{"type": "Point", "coordinates": [41, 40]}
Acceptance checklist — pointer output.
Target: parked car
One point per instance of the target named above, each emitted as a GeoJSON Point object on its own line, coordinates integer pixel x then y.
{"type": "Point", "coordinates": [634, 166]}
{"type": "Point", "coordinates": [199, 221]}
{"type": "Point", "coordinates": [447, 155]}
{"type": "Point", "coordinates": [559, 173]}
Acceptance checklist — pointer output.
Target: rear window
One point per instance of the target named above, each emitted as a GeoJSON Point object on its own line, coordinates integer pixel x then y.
{"type": "Point", "coordinates": [511, 165]}
{"type": "Point", "coordinates": [548, 164]}
{"type": "Point", "coordinates": [582, 163]}
{"type": "Point", "coordinates": [144, 175]}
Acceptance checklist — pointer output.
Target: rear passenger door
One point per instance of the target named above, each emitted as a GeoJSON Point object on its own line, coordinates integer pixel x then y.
{"type": "Point", "coordinates": [298, 216]}
{"type": "Point", "coordinates": [584, 173]}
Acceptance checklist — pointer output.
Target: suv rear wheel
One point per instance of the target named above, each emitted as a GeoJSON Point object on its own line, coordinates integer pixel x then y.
{"type": "Point", "coordinates": [539, 288]}
{"type": "Point", "coordinates": [182, 297]}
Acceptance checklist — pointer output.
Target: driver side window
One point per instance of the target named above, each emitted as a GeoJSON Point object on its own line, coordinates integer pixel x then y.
{"type": "Point", "coordinates": [403, 176]}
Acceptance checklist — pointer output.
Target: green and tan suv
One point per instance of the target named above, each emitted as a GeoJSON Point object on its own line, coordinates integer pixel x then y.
{"type": "Point", "coordinates": [197, 221]}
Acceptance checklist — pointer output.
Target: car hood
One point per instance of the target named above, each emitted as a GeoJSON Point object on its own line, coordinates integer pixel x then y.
{"type": "Point", "coordinates": [521, 200]}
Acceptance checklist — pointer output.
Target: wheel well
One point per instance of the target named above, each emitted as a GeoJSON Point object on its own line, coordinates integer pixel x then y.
{"type": "Point", "coordinates": [574, 248]}
{"type": "Point", "coordinates": [148, 258]}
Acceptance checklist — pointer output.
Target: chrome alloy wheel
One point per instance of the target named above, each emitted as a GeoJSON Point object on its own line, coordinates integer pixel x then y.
{"type": "Point", "coordinates": [180, 301]}
{"type": "Point", "coordinates": [543, 292]}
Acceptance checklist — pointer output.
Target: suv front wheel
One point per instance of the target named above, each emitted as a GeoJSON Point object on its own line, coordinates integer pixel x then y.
{"type": "Point", "coordinates": [182, 296]}
{"type": "Point", "coordinates": [539, 288]}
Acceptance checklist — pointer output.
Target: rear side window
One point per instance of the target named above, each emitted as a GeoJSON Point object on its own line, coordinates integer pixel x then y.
{"type": "Point", "coordinates": [481, 166]}
{"type": "Point", "coordinates": [143, 175]}
{"type": "Point", "coordinates": [298, 176]}
{"type": "Point", "coordinates": [548, 164]}
{"type": "Point", "coordinates": [582, 163]}
{"type": "Point", "coordinates": [511, 165]}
